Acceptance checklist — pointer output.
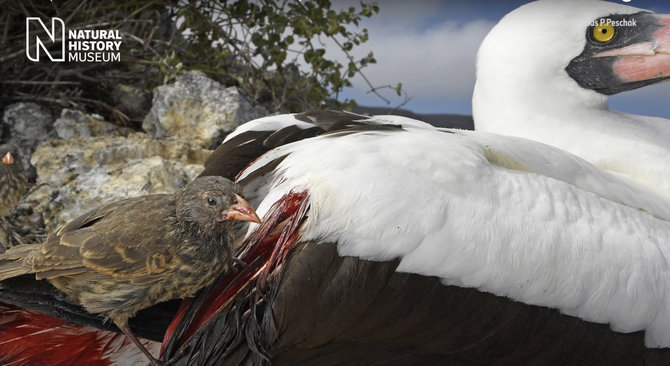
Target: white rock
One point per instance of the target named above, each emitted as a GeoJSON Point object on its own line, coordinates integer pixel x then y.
{"type": "Point", "coordinates": [198, 108]}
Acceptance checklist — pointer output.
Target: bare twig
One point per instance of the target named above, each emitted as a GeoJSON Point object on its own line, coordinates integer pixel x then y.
{"type": "Point", "coordinates": [359, 72]}
{"type": "Point", "coordinates": [29, 82]}
{"type": "Point", "coordinates": [12, 55]}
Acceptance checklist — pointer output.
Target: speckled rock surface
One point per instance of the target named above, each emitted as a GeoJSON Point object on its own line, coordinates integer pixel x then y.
{"type": "Point", "coordinates": [72, 123]}
{"type": "Point", "coordinates": [198, 109]}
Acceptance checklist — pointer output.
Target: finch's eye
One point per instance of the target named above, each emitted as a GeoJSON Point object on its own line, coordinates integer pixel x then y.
{"type": "Point", "coordinates": [211, 201]}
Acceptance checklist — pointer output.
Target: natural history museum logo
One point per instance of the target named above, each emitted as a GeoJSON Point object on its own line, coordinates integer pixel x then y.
{"type": "Point", "coordinates": [54, 42]}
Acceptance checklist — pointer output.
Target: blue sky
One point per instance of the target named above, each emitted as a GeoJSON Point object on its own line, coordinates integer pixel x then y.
{"type": "Point", "coordinates": [430, 46]}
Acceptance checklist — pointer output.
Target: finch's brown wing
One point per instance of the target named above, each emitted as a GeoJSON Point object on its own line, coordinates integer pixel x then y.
{"type": "Point", "coordinates": [60, 254]}
{"type": "Point", "coordinates": [124, 239]}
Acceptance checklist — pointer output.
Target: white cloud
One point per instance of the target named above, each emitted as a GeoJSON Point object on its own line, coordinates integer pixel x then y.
{"type": "Point", "coordinates": [438, 62]}
{"type": "Point", "coordinates": [396, 14]}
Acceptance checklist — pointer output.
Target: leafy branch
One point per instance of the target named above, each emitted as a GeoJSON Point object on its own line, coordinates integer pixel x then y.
{"type": "Point", "coordinates": [270, 48]}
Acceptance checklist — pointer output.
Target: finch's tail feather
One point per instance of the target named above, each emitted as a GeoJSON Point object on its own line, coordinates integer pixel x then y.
{"type": "Point", "coordinates": [11, 261]}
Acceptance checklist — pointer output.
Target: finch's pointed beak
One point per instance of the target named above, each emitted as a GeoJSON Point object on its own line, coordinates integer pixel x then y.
{"type": "Point", "coordinates": [241, 211]}
{"type": "Point", "coordinates": [8, 158]}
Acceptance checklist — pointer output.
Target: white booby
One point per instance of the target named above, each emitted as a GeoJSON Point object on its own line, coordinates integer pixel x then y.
{"type": "Point", "coordinates": [545, 72]}
{"type": "Point", "coordinates": [386, 241]}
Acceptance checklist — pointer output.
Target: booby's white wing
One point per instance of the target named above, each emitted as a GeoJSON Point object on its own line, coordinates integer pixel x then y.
{"type": "Point", "coordinates": [505, 215]}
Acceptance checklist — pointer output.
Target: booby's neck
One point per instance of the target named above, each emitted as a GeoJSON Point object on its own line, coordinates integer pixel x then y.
{"type": "Point", "coordinates": [579, 122]}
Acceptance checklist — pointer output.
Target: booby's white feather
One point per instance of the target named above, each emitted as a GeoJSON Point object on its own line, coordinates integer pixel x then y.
{"type": "Point", "coordinates": [405, 122]}
{"type": "Point", "coordinates": [505, 215]}
{"type": "Point", "coordinates": [275, 123]}
{"type": "Point", "coordinates": [269, 123]}
{"type": "Point", "coordinates": [523, 90]}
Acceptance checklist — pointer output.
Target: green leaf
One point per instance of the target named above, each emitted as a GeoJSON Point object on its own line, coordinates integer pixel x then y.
{"type": "Point", "coordinates": [398, 89]}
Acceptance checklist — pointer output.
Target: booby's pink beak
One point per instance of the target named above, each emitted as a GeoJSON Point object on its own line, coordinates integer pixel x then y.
{"type": "Point", "coordinates": [8, 158]}
{"type": "Point", "coordinates": [240, 211]}
{"type": "Point", "coordinates": [644, 61]}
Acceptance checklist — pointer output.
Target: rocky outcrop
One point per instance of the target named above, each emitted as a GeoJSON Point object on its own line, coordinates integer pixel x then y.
{"type": "Point", "coordinates": [73, 123]}
{"type": "Point", "coordinates": [198, 109]}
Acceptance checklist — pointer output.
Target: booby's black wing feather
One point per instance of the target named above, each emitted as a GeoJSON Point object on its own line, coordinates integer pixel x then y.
{"type": "Point", "coordinates": [239, 151]}
{"type": "Point", "coordinates": [331, 310]}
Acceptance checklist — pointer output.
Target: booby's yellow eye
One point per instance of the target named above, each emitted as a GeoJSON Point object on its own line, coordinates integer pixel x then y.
{"type": "Point", "coordinates": [603, 33]}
